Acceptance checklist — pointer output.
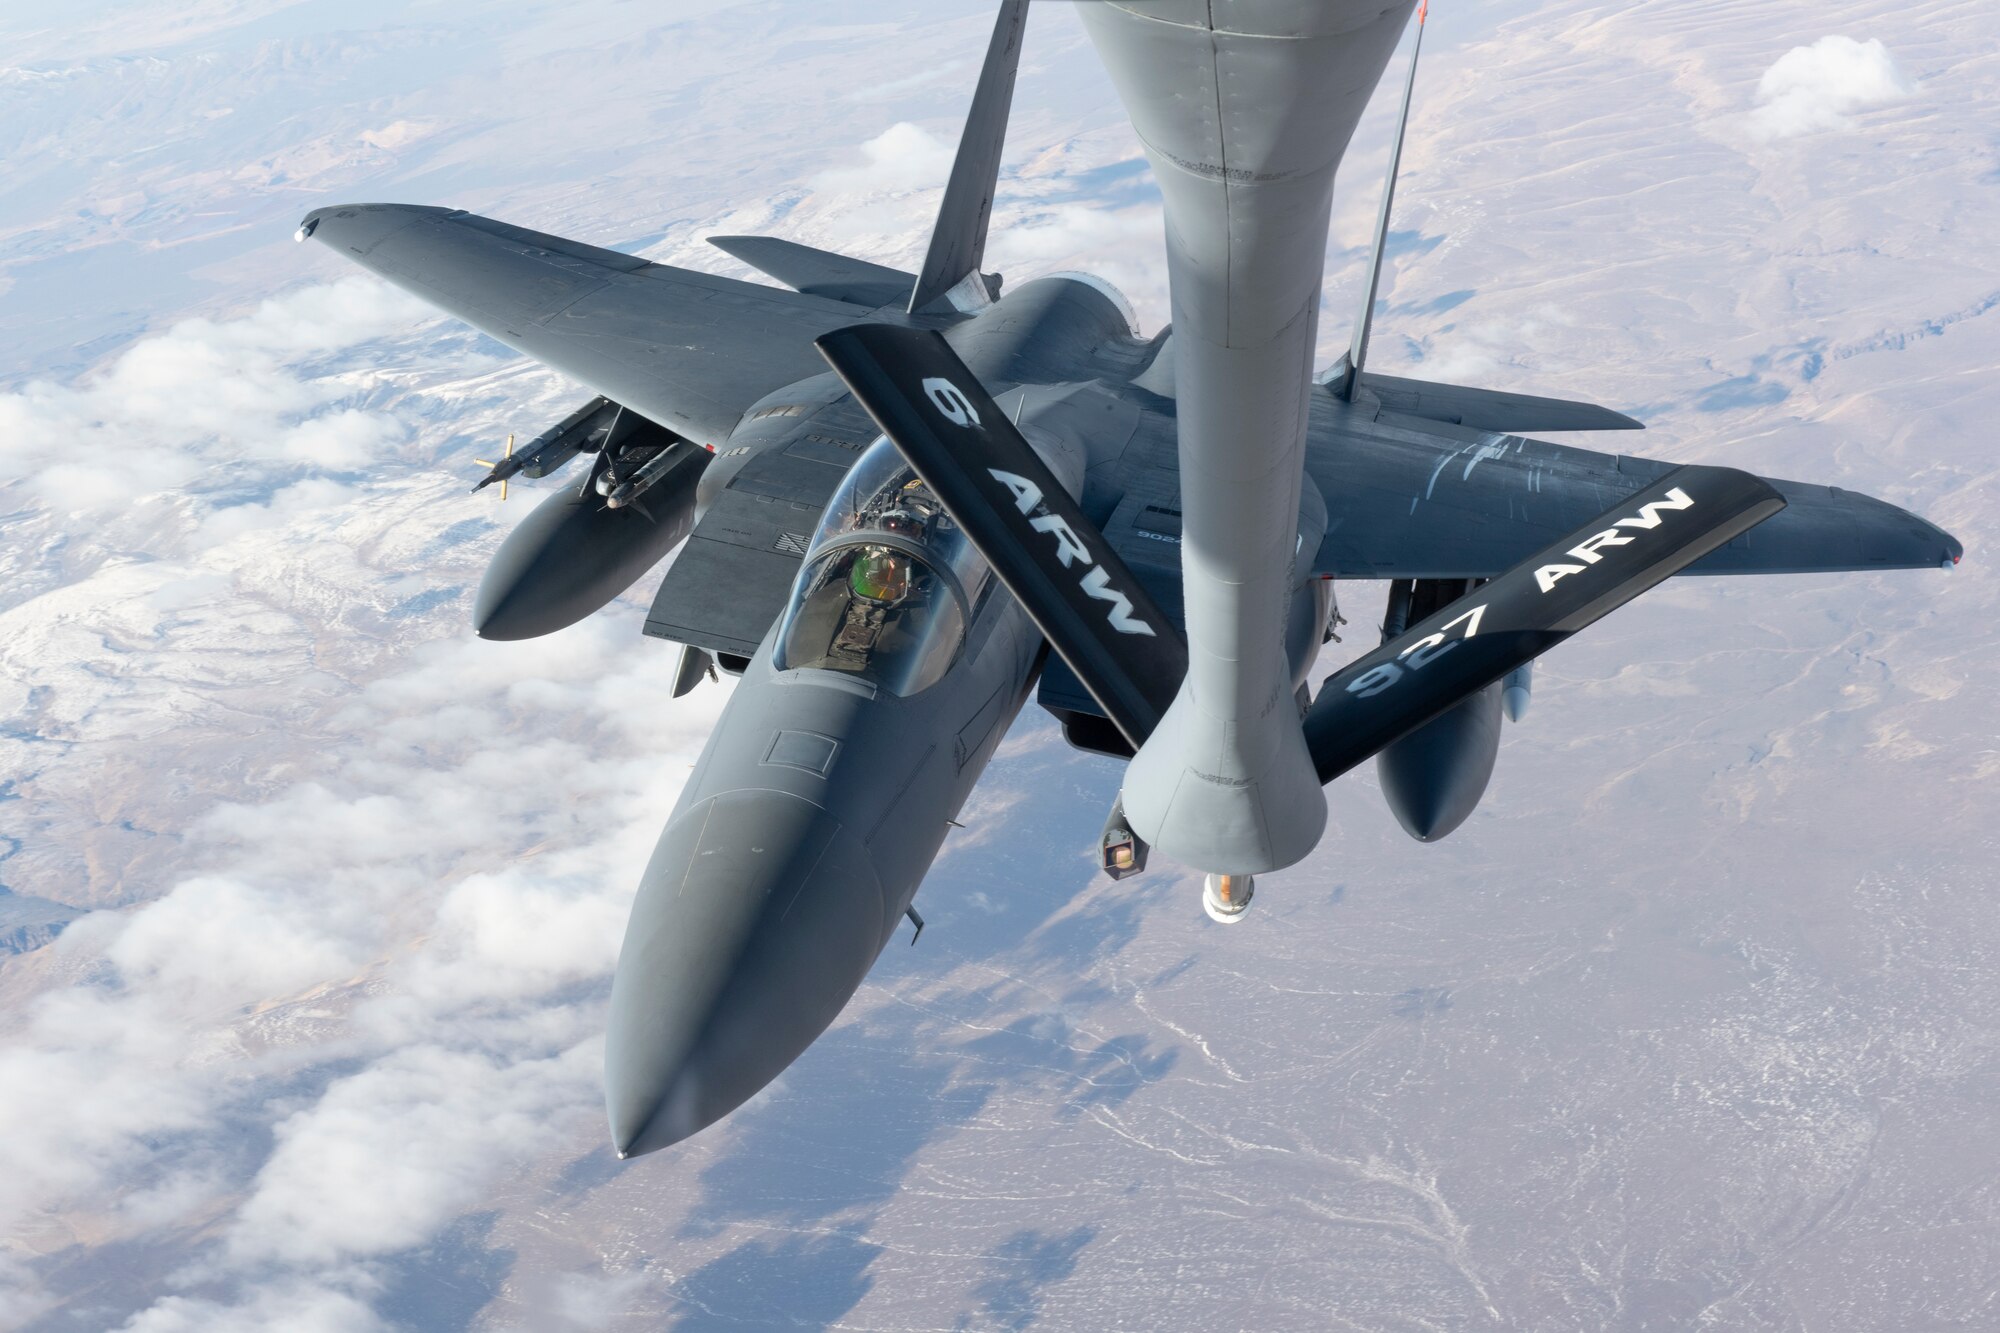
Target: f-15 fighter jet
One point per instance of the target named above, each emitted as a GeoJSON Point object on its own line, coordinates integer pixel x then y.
{"type": "Point", "coordinates": [893, 493]}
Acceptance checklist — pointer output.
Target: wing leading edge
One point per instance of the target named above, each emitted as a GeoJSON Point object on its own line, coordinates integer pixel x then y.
{"type": "Point", "coordinates": [1439, 501]}
{"type": "Point", "coordinates": [688, 350]}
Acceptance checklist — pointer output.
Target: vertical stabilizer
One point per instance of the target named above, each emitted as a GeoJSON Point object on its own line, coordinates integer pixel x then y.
{"type": "Point", "coordinates": [1357, 354]}
{"type": "Point", "coordinates": [958, 241]}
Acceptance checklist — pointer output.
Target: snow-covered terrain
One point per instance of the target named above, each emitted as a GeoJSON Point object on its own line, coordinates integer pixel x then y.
{"type": "Point", "coordinates": [309, 899]}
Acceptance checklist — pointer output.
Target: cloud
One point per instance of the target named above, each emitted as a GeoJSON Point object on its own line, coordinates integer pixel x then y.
{"type": "Point", "coordinates": [208, 406]}
{"type": "Point", "coordinates": [389, 942]}
{"type": "Point", "coordinates": [297, 1307]}
{"type": "Point", "coordinates": [372, 916]}
{"type": "Point", "coordinates": [21, 1301]}
{"type": "Point", "coordinates": [389, 1156]}
{"type": "Point", "coordinates": [1474, 351]}
{"type": "Point", "coordinates": [901, 158]}
{"type": "Point", "coordinates": [398, 134]}
{"type": "Point", "coordinates": [1818, 87]}
{"type": "Point", "coordinates": [1122, 246]}
{"type": "Point", "coordinates": [219, 941]}
{"type": "Point", "coordinates": [595, 1300]}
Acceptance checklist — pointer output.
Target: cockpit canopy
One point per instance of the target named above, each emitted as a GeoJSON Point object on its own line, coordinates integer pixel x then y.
{"type": "Point", "coordinates": [888, 585]}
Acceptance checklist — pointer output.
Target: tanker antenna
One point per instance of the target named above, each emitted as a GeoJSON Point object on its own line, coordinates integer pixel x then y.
{"type": "Point", "coordinates": [1357, 354]}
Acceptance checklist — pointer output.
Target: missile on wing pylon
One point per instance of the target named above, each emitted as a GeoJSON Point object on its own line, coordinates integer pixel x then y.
{"type": "Point", "coordinates": [1516, 688]}
{"type": "Point", "coordinates": [502, 469]}
{"type": "Point", "coordinates": [585, 428]}
{"type": "Point", "coordinates": [620, 493]}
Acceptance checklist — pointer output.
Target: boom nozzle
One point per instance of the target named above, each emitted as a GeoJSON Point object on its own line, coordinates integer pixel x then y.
{"type": "Point", "coordinates": [1227, 897]}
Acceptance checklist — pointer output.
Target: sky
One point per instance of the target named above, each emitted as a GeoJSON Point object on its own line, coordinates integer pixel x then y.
{"type": "Point", "coordinates": [312, 897]}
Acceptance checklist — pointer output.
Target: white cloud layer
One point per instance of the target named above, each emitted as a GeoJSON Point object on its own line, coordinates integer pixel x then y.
{"type": "Point", "coordinates": [1818, 87]}
{"type": "Point", "coordinates": [297, 1307]}
{"type": "Point", "coordinates": [387, 1157]}
{"type": "Point", "coordinates": [392, 945]}
{"type": "Point", "coordinates": [229, 402]}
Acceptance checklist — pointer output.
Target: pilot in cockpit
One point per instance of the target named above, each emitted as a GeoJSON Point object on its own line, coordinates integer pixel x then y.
{"type": "Point", "coordinates": [880, 575]}
{"type": "Point", "coordinates": [880, 597]}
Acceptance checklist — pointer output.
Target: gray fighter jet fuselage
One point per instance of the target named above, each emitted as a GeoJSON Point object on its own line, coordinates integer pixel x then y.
{"type": "Point", "coordinates": [845, 550]}
{"type": "Point", "coordinates": [863, 721]}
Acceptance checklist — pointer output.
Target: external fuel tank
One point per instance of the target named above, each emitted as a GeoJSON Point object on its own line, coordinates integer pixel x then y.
{"type": "Point", "coordinates": [576, 551]}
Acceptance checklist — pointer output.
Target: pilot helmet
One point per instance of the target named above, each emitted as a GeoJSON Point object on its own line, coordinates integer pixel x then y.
{"type": "Point", "coordinates": [903, 523]}
{"type": "Point", "coordinates": [880, 575]}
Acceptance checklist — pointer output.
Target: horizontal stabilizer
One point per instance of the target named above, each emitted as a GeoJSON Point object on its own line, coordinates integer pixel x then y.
{"type": "Point", "coordinates": [1532, 607]}
{"type": "Point", "coordinates": [1488, 409]}
{"type": "Point", "coordinates": [820, 272]}
{"type": "Point", "coordinates": [1019, 516]}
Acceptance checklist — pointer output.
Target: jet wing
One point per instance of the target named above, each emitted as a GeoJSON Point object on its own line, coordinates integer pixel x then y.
{"type": "Point", "coordinates": [1487, 409]}
{"type": "Point", "coordinates": [1441, 501]}
{"type": "Point", "coordinates": [688, 350]}
{"type": "Point", "coordinates": [1472, 642]}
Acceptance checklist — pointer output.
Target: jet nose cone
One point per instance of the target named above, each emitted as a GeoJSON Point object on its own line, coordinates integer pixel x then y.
{"type": "Point", "coordinates": [758, 916]}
